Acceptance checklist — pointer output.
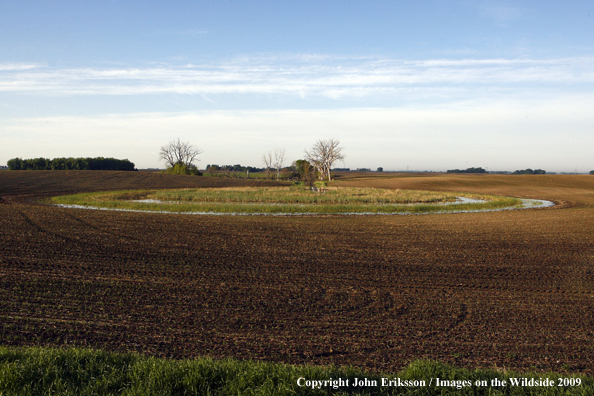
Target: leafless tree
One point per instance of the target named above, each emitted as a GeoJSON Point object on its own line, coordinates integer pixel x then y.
{"type": "Point", "coordinates": [323, 154]}
{"type": "Point", "coordinates": [267, 159]}
{"type": "Point", "coordinates": [279, 158]}
{"type": "Point", "coordinates": [178, 152]}
{"type": "Point", "coordinates": [226, 170]}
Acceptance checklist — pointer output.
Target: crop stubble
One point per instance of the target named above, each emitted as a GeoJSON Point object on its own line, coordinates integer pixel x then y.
{"type": "Point", "coordinates": [501, 289]}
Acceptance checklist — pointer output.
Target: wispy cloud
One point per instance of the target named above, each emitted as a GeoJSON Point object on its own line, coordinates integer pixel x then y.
{"type": "Point", "coordinates": [19, 66]}
{"type": "Point", "coordinates": [302, 76]}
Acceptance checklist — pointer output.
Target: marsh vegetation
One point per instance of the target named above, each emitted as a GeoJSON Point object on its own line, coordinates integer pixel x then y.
{"type": "Point", "coordinates": [288, 200]}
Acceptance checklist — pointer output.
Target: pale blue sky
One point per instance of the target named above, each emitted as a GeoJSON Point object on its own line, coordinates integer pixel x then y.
{"type": "Point", "coordinates": [432, 85]}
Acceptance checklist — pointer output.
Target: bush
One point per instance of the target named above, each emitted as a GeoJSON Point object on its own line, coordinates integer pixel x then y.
{"type": "Point", "coordinates": [181, 169]}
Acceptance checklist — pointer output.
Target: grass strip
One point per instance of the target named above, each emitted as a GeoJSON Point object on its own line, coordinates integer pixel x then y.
{"type": "Point", "coordinates": [74, 371]}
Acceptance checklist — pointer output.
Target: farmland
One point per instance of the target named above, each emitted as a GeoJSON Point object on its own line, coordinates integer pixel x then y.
{"type": "Point", "coordinates": [510, 289]}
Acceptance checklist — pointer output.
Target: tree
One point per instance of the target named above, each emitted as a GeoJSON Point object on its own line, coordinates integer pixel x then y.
{"type": "Point", "coordinates": [267, 159]}
{"type": "Point", "coordinates": [279, 158]}
{"type": "Point", "coordinates": [323, 154]}
{"type": "Point", "coordinates": [15, 164]}
{"type": "Point", "coordinates": [305, 172]}
{"type": "Point", "coordinates": [302, 167]}
{"type": "Point", "coordinates": [178, 152]}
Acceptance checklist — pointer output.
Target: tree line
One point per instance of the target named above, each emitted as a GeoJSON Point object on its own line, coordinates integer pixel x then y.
{"type": "Point", "coordinates": [98, 163]}
{"type": "Point", "coordinates": [529, 172]}
{"type": "Point", "coordinates": [467, 170]}
{"type": "Point", "coordinates": [517, 172]}
{"type": "Point", "coordinates": [232, 168]}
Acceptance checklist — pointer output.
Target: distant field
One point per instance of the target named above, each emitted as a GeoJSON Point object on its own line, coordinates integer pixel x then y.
{"type": "Point", "coordinates": [511, 289]}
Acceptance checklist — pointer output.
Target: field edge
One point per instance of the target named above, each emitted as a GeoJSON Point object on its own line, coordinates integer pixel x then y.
{"type": "Point", "coordinates": [71, 370]}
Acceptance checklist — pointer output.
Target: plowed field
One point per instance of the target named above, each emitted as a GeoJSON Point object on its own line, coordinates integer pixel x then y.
{"type": "Point", "coordinates": [510, 289]}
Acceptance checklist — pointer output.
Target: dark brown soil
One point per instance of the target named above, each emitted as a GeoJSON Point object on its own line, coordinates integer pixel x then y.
{"type": "Point", "coordinates": [510, 289]}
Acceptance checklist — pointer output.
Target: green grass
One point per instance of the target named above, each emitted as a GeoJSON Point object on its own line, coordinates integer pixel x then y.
{"type": "Point", "coordinates": [285, 200]}
{"type": "Point", "coordinates": [72, 371]}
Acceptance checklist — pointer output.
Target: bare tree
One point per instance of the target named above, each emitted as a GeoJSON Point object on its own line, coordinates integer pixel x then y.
{"type": "Point", "coordinates": [178, 152]}
{"type": "Point", "coordinates": [279, 158]}
{"type": "Point", "coordinates": [227, 171]}
{"type": "Point", "coordinates": [267, 159]}
{"type": "Point", "coordinates": [323, 154]}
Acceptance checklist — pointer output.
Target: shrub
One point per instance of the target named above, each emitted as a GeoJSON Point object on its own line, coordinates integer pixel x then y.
{"type": "Point", "coordinates": [181, 169]}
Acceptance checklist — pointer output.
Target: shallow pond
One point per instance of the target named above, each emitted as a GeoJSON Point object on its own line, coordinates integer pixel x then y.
{"type": "Point", "coordinates": [526, 204]}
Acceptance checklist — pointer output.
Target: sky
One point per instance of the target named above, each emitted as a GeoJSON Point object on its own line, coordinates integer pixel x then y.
{"type": "Point", "coordinates": [419, 85]}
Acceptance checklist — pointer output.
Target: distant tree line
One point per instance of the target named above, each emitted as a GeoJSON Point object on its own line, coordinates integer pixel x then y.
{"type": "Point", "coordinates": [529, 172]}
{"type": "Point", "coordinates": [468, 170]}
{"type": "Point", "coordinates": [592, 172]}
{"type": "Point", "coordinates": [380, 169]}
{"type": "Point", "coordinates": [98, 163]}
{"type": "Point", "coordinates": [232, 168]}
